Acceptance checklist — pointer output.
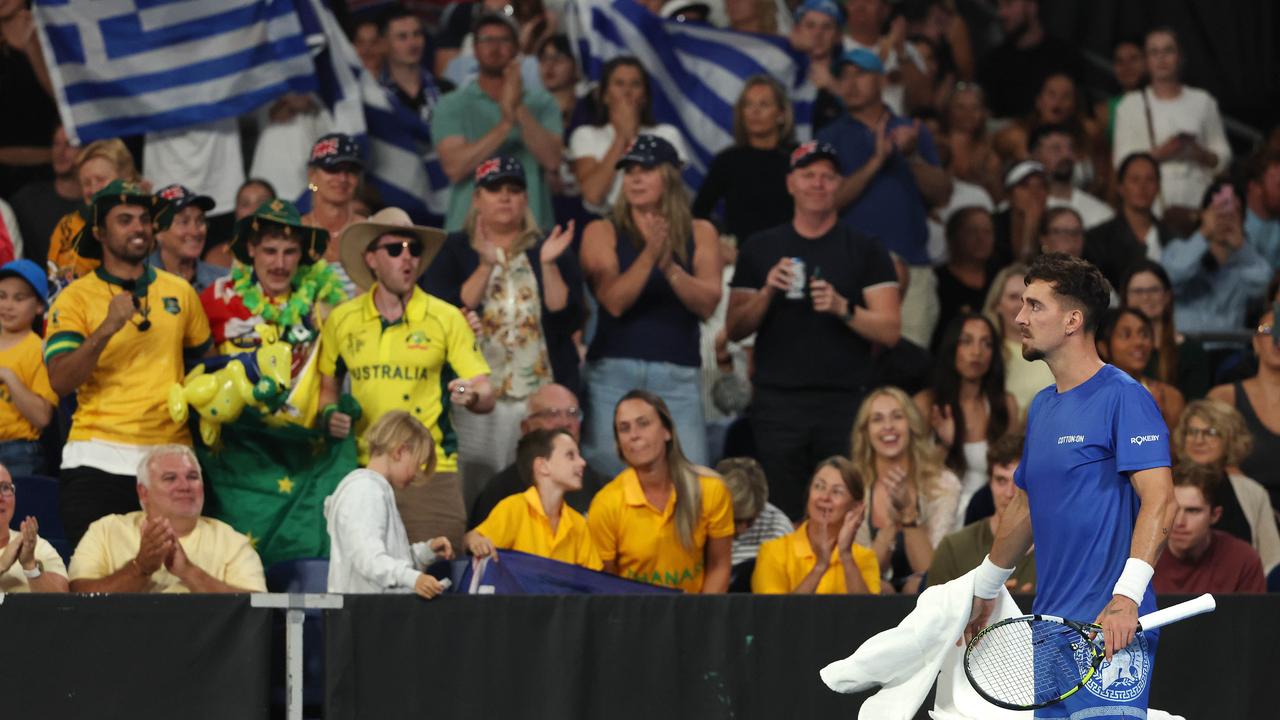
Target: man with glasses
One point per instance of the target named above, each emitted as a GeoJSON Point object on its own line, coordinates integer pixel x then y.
{"type": "Point", "coordinates": [117, 339]}
{"type": "Point", "coordinates": [550, 407]}
{"type": "Point", "coordinates": [1053, 146]}
{"type": "Point", "coordinates": [394, 342]}
{"type": "Point", "coordinates": [497, 115]}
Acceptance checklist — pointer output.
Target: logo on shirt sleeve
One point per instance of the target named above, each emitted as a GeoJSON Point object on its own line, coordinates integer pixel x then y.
{"type": "Point", "coordinates": [1139, 439]}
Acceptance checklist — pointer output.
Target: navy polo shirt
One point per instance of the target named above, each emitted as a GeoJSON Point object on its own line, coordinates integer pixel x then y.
{"type": "Point", "coordinates": [890, 208]}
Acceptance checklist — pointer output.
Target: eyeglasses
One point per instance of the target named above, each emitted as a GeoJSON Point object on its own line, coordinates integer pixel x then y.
{"type": "Point", "coordinates": [571, 413]}
{"type": "Point", "coordinates": [1206, 433]}
{"type": "Point", "coordinates": [1264, 329]}
{"type": "Point", "coordinates": [394, 249]}
{"type": "Point", "coordinates": [6, 488]}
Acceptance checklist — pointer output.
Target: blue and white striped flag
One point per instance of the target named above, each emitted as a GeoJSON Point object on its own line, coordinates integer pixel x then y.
{"type": "Point", "coordinates": [403, 165]}
{"type": "Point", "coordinates": [696, 71]}
{"type": "Point", "coordinates": [128, 67]}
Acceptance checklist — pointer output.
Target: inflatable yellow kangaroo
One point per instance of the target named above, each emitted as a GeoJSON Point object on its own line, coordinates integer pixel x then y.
{"type": "Point", "coordinates": [219, 397]}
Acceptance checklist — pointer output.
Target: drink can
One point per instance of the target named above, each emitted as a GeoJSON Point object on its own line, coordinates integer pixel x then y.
{"type": "Point", "coordinates": [796, 291]}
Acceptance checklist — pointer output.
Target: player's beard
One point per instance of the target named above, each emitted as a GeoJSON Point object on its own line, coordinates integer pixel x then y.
{"type": "Point", "coordinates": [1032, 354]}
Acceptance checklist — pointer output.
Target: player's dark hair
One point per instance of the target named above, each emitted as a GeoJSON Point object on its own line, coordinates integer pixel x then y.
{"type": "Point", "coordinates": [947, 383]}
{"type": "Point", "coordinates": [1207, 479]}
{"type": "Point", "coordinates": [1005, 449]}
{"type": "Point", "coordinates": [1075, 279]}
{"type": "Point", "coordinates": [535, 444]}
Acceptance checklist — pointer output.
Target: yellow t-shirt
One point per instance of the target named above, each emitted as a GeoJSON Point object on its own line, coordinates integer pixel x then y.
{"type": "Point", "coordinates": [783, 562]}
{"type": "Point", "coordinates": [125, 400]}
{"type": "Point", "coordinates": [14, 580]}
{"type": "Point", "coordinates": [520, 523]}
{"type": "Point", "coordinates": [400, 366]}
{"type": "Point", "coordinates": [64, 262]}
{"type": "Point", "coordinates": [644, 540]}
{"type": "Point", "coordinates": [27, 362]}
{"type": "Point", "coordinates": [214, 546]}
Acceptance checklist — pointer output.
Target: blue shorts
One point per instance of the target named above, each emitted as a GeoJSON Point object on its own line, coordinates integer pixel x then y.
{"type": "Point", "coordinates": [1119, 690]}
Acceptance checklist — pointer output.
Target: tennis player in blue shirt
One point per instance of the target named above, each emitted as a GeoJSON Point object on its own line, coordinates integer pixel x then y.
{"type": "Point", "coordinates": [1095, 484]}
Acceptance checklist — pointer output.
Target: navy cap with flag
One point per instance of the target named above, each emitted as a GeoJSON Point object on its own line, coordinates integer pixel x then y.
{"type": "Point", "coordinates": [649, 151]}
{"type": "Point", "coordinates": [172, 199]}
{"type": "Point", "coordinates": [335, 149]}
{"type": "Point", "coordinates": [811, 152]}
{"type": "Point", "coordinates": [503, 169]}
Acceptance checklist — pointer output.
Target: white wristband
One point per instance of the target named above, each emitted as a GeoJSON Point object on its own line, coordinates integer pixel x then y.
{"type": "Point", "coordinates": [1134, 580]}
{"type": "Point", "coordinates": [989, 578]}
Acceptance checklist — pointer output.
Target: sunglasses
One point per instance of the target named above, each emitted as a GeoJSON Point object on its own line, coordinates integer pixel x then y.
{"type": "Point", "coordinates": [394, 249]}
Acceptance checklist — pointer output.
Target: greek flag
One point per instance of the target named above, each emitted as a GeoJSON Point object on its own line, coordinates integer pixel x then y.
{"type": "Point", "coordinates": [403, 165]}
{"type": "Point", "coordinates": [696, 71]}
{"type": "Point", "coordinates": [128, 67]}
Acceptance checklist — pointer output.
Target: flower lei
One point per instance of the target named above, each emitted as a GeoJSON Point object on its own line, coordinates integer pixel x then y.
{"type": "Point", "coordinates": [311, 284]}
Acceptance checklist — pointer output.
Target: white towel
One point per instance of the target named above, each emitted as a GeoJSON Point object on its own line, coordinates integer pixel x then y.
{"type": "Point", "coordinates": [904, 661]}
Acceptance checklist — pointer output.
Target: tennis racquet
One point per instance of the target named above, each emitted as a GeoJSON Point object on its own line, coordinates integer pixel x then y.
{"type": "Point", "coordinates": [1032, 661]}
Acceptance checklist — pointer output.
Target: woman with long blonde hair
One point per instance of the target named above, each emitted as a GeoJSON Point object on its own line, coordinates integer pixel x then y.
{"type": "Point", "coordinates": [656, 274]}
{"type": "Point", "coordinates": [911, 495]}
{"type": "Point", "coordinates": [663, 520]}
{"type": "Point", "coordinates": [523, 288]}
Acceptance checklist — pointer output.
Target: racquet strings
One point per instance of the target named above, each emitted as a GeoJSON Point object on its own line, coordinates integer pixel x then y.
{"type": "Point", "coordinates": [1029, 662]}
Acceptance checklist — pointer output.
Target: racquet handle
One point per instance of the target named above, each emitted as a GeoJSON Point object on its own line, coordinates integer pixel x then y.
{"type": "Point", "coordinates": [1197, 606]}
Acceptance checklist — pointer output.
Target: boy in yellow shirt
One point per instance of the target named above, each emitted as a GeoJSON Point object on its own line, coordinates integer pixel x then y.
{"type": "Point", "coordinates": [538, 521]}
{"type": "Point", "coordinates": [26, 398]}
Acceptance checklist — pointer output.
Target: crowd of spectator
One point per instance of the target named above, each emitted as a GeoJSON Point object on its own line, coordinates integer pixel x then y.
{"type": "Point", "coordinates": [556, 368]}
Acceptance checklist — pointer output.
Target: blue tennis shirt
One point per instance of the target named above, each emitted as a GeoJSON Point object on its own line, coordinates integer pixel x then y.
{"type": "Point", "coordinates": [1081, 447]}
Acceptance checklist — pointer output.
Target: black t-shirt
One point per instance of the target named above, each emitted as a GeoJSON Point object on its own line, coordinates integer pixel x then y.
{"type": "Point", "coordinates": [1011, 76]}
{"type": "Point", "coordinates": [954, 298]}
{"type": "Point", "coordinates": [749, 207]}
{"type": "Point", "coordinates": [38, 208]}
{"type": "Point", "coordinates": [29, 118]}
{"type": "Point", "coordinates": [796, 346]}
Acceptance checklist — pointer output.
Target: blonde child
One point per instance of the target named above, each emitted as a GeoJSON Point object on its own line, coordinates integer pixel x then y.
{"type": "Point", "coordinates": [369, 550]}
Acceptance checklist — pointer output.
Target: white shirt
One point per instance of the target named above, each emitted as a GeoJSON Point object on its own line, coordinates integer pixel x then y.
{"type": "Point", "coordinates": [1194, 111]}
{"type": "Point", "coordinates": [593, 141]}
{"type": "Point", "coordinates": [205, 158]}
{"type": "Point", "coordinates": [282, 149]}
{"type": "Point", "coordinates": [369, 550]}
{"type": "Point", "coordinates": [1093, 212]}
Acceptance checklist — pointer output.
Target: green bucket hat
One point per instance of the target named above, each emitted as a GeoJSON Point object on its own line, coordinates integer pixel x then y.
{"type": "Point", "coordinates": [118, 192]}
{"type": "Point", "coordinates": [283, 214]}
